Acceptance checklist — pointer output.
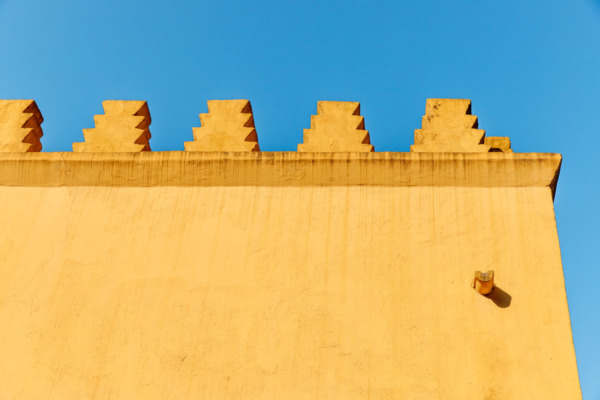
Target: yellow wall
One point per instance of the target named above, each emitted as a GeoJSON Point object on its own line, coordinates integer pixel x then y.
{"type": "Point", "coordinates": [281, 276]}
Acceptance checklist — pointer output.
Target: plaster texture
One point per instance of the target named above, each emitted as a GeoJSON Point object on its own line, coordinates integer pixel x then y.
{"type": "Point", "coordinates": [281, 275]}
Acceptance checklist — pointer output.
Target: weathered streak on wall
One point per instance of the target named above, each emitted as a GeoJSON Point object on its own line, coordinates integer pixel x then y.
{"type": "Point", "coordinates": [281, 290]}
{"type": "Point", "coordinates": [177, 168]}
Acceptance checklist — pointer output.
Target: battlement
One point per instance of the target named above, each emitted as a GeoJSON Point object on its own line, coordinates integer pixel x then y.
{"type": "Point", "coordinates": [448, 151]}
{"type": "Point", "coordinates": [448, 126]}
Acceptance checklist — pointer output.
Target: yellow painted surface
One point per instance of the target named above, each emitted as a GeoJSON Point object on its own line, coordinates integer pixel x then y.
{"type": "Point", "coordinates": [124, 127]}
{"type": "Point", "coordinates": [448, 126]}
{"type": "Point", "coordinates": [337, 126]}
{"type": "Point", "coordinates": [228, 126]}
{"type": "Point", "coordinates": [498, 143]}
{"type": "Point", "coordinates": [281, 276]}
{"type": "Point", "coordinates": [20, 126]}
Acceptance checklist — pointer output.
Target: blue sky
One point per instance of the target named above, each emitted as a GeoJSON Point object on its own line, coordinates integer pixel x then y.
{"type": "Point", "coordinates": [532, 69]}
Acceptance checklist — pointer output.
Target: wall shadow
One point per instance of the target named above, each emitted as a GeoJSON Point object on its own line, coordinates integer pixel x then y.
{"type": "Point", "coordinates": [500, 297]}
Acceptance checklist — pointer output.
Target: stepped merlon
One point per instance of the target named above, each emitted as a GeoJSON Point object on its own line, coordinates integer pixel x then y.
{"type": "Point", "coordinates": [228, 126]}
{"type": "Point", "coordinates": [337, 127]}
{"type": "Point", "coordinates": [124, 127]}
{"type": "Point", "coordinates": [448, 126]}
{"type": "Point", "coordinates": [20, 126]}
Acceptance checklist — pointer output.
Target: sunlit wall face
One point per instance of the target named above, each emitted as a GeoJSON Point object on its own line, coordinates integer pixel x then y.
{"type": "Point", "coordinates": [531, 69]}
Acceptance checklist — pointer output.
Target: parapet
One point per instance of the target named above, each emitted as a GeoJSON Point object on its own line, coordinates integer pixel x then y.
{"type": "Point", "coordinates": [194, 168]}
{"type": "Point", "coordinates": [336, 149]}
{"type": "Point", "coordinates": [448, 127]}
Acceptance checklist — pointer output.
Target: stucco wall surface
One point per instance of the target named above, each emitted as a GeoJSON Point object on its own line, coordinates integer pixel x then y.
{"type": "Point", "coordinates": [278, 291]}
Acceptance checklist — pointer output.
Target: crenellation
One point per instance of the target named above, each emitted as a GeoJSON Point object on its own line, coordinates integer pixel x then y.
{"type": "Point", "coordinates": [447, 126]}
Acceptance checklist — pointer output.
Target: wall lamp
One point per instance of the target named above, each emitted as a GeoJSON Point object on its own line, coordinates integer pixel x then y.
{"type": "Point", "coordinates": [484, 282]}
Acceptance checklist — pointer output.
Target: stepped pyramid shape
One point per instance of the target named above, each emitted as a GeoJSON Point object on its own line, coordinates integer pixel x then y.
{"type": "Point", "coordinates": [337, 127]}
{"type": "Point", "coordinates": [124, 127]}
{"type": "Point", "coordinates": [20, 129]}
{"type": "Point", "coordinates": [228, 126]}
{"type": "Point", "coordinates": [448, 126]}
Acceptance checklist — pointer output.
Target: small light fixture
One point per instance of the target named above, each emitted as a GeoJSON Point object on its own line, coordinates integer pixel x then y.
{"type": "Point", "coordinates": [484, 282]}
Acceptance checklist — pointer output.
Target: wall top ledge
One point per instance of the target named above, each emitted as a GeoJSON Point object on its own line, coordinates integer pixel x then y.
{"type": "Point", "coordinates": [178, 168]}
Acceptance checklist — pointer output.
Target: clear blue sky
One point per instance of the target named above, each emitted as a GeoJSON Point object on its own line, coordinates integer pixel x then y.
{"type": "Point", "coordinates": [532, 69]}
